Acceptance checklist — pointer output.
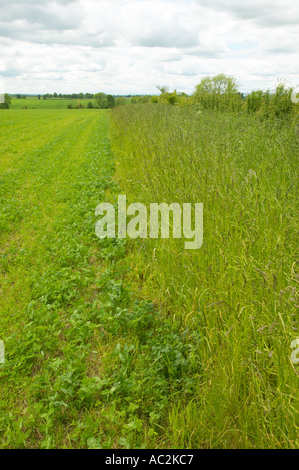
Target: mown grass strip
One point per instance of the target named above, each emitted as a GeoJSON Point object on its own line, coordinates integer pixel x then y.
{"type": "Point", "coordinates": [86, 364]}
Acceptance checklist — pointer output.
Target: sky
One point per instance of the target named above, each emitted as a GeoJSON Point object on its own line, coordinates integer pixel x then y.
{"type": "Point", "coordinates": [132, 46]}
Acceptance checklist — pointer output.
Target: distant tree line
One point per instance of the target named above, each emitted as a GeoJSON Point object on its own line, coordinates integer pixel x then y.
{"type": "Point", "coordinates": [68, 96]}
{"type": "Point", "coordinates": [100, 101]}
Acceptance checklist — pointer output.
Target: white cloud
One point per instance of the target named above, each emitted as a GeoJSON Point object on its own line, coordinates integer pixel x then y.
{"type": "Point", "coordinates": [128, 46]}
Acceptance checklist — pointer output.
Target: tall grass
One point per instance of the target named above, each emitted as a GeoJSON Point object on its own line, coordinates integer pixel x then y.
{"type": "Point", "coordinates": [240, 287]}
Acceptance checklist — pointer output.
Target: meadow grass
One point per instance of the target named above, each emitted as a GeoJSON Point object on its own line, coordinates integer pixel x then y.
{"type": "Point", "coordinates": [239, 291]}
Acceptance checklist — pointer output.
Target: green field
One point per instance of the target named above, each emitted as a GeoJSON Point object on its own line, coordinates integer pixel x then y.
{"type": "Point", "coordinates": [87, 360]}
{"type": "Point", "coordinates": [140, 343]}
{"type": "Point", "coordinates": [35, 103]}
{"type": "Point", "coordinates": [54, 167]}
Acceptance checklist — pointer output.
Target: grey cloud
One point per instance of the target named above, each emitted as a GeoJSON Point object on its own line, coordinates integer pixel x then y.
{"type": "Point", "coordinates": [187, 74]}
{"type": "Point", "coordinates": [38, 15]}
{"type": "Point", "coordinates": [24, 32]}
{"type": "Point", "coordinates": [170, 58]}
{"type": "Point", "coordinates": [268, 13]}
{"type": "Point", "coordinates": [10, 73]}
{"type": "Point", "coordinates": [274, 19]}
{"type": "Point", "coordinates": [158, 23]}
{"type": "Point", "coordinates": [3, 3]}
{"type": "Point", "coordinates": [55, 22]}
{"type": "Point", "coordinates": [165, 39]}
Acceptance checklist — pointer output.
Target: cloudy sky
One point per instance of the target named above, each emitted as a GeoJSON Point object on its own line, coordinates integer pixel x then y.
{"type": "Point", "coordinates": [130, 46]}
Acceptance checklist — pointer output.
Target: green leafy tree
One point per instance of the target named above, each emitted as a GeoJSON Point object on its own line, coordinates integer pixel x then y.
{"type": "Point", "coordinates": [163, 89]}
{"type": "Point", "coordinates": [111, 101]}
{"type": "Point", "coordinates": [281, 102]}
{"type": "Point", "coordinates": [277, 104]}
{"type": "Point", "coordinates": [254, 101]}
{"type": "Point", "coordinates": [218, 92]}
{"type": "Point", "coordinates": [7, 102]}
{"type": "Point", "coordinates": [101, 99]}
{"type": "Point", "coordinates": [166, 96]}
{"type": "Point", "coordinates": [172, 98]}
{"type": "Point", "coordinates": [155, 99]}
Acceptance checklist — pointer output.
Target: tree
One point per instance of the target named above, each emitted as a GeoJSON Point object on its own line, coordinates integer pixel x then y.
{"type": "Point", "coordinates": [254, 101]}
{"type": "Point", "coordinates": [7, 102]}
{"type": "Point", "coordinates": [218, 92]}
{"type": "Point", "coordinates": [220, 84]}
{"type": "Point", "coordinates": [111, 101]}
{"type": "Point", "coordinates": [101, 100]}
{"type": "Point", "coordinates": [166, 96]}
{"type": "Point", "coordinates": [163, 89]}
{"type": "Point", "coordinates": [281, 100]}
{"type": "Point", "coordinates": [269, 105]}
{"type": "Point", "coordinates": [141, 99]}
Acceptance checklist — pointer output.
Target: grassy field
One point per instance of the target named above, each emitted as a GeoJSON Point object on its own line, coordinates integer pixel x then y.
{"type": "Point", "coordinates": [140, 343]}
{"type": "Point", "coordinates": [35, 103]}
{"type": "Point", "coordinates": [53, 168]}
{"type": "Point", "coordinates": [88, 362]}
